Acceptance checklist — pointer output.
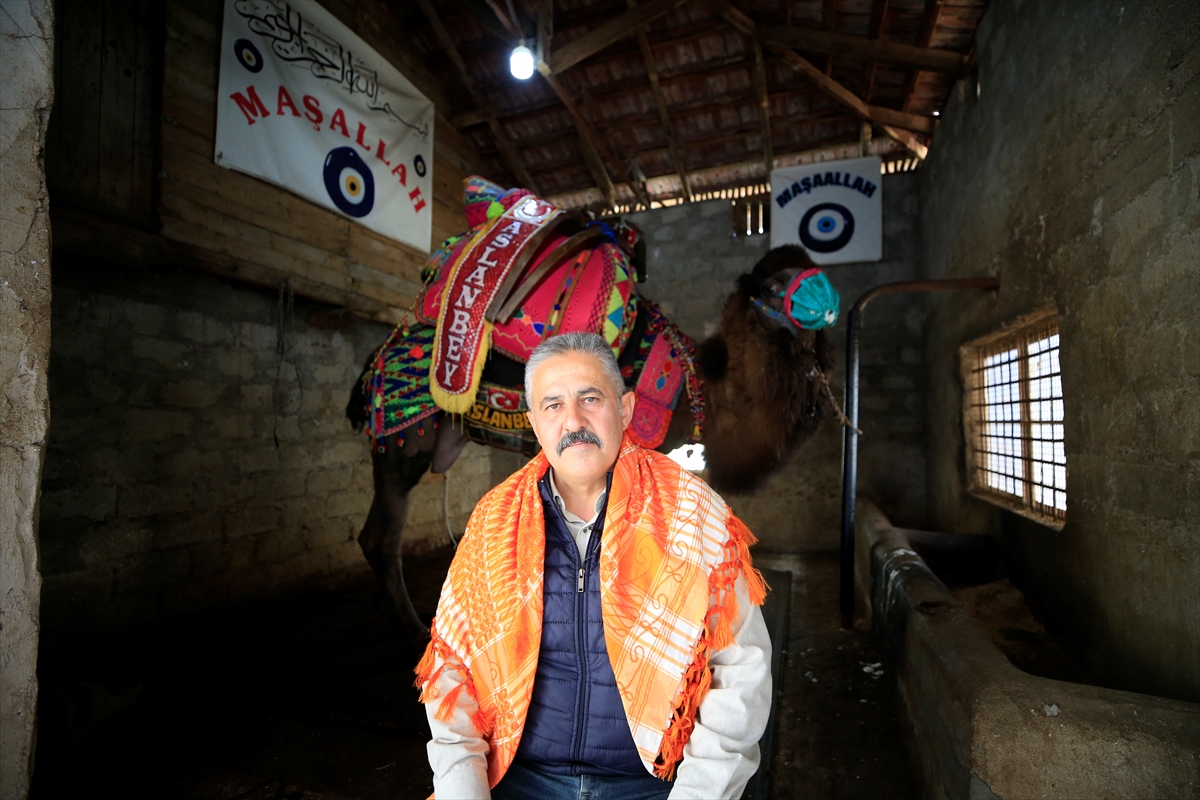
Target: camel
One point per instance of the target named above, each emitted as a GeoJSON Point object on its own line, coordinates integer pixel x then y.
{"type": "Point", "coordinates": [762, 391]}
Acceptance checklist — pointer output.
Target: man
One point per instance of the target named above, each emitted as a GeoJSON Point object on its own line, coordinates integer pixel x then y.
{"type": "Point", "coordinates": [598, 634]}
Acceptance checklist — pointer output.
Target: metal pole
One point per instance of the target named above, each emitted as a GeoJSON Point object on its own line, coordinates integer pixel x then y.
{"type": "Point", "coordinates": [850, 439]}
{"type": "Point", "coordinates": [849, 468]}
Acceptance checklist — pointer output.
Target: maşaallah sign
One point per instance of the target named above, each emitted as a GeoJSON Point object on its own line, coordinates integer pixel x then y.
{"type": "Point", "coordinates": [305, 104]}
{"type": "Point", "coordinates": [834, 210]}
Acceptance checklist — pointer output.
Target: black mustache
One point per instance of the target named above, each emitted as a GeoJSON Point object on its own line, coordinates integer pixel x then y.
{"type": "Point", "coordinates": [582, 436]}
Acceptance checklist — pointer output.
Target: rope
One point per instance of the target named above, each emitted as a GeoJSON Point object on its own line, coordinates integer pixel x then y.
{"type": "Point", "coordinates": [833, 402]}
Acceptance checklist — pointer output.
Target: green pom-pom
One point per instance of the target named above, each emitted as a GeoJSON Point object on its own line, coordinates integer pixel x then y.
{"type": "Point", "coordinates": [495, 210]}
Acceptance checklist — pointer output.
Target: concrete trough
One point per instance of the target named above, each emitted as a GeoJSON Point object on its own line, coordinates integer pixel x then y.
{"type": "Point", "coordinates": [982, 728]}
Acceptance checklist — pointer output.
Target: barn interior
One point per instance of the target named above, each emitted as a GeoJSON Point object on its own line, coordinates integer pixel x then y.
{"type": "Point", "coordinates": [186, 611]}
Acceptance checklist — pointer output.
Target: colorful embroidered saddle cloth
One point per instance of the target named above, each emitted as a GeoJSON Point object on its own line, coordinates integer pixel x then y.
{"type": "Point", "coordinates": [523, 272]}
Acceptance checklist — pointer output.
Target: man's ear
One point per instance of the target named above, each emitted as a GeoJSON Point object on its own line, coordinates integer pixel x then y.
{"type": "Point", "coordinates": [628, 401]}
{"type": "Point", "coordinates": [529, 416]}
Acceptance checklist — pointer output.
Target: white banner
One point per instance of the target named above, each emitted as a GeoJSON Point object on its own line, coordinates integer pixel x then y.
{"type": "Point", "coordinates": [305, 104]}
{"type": "Point", "coordinates": [834, 210]}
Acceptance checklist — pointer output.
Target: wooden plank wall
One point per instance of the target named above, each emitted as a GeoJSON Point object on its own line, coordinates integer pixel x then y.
{"type": "Point", "coordinates": [238, 226]}
{"type": "Point", "coordinates": [103, 129]}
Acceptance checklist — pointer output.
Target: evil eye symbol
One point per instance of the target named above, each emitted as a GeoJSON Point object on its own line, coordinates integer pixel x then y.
{"type": "Point", "coordinates": [248, 55]}
{"type": "Point", "coordinates": [349, 181]}
{"type": "Point", "coordinates": [826, 227]}
{"type": "Point", "coordinates": [419, 165]}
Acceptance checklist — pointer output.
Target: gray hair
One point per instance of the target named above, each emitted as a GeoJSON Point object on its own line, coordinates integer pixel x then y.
{"type": "Point", "coordinates": [587, 343]}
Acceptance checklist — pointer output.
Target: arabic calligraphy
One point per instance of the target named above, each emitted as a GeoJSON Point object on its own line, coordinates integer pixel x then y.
{"type": "Point", "coordinates": [296, 39]}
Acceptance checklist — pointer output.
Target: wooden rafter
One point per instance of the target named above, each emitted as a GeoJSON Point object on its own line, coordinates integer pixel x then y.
{"type": "Point", "coordinates": [888, 119]}
{"type": "Point", "coordinates": [878, 15]}
{"type": "Point", "coordinates": [742, 133]}
{"type": "Point", "coordinates": [929, 23]}
{"type": "Point", "coordinates": [877, 114]}
{"type": "Point", "coordinates": [628, 165]}
{"type": "Point", "coordinates": [502, 15]}
{"type": "Point", "coordinates": [589, 145]}
{"type": "Point", "coordinates": [661, 101]}
{"type": "Point", "coordinates": [596, 40]}
{"type": "Point", "coordinates": [503, 143]}
{"type": "Point", "coordinates": [811, 40]}
{"type": "Point", "coordinates": [589, 142]}
{"type": "Point", "coordinates": [829, 18]}
{"type": "Point", "coordinates": [764, 108]}
{"type": "Point", "coordinates": [908, 140]}
{"type": "Point", "coordinates": [844, 44]}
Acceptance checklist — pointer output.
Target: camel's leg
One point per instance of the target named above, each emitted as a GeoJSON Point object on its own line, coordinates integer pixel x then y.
{"type": "Point", "coordinates": [449, 444]}
{"type": "Point", "coordinates": [396, 471]}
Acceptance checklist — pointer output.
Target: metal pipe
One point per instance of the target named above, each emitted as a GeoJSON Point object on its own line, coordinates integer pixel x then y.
{"type": "Point", "coordinates": [850, 440]}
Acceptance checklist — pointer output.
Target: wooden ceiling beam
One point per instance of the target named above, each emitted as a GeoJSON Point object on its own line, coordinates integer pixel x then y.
{"type": "Point", "coordinates": [591, 145]}
{"type": "Point", "coordinates": [879, 10]}
{"type": "Point", "coordinates": [741, 133]}
{"type": "Point", "coordinates": [846, 44]}
{"type": "Point", "coordinates": [660, 101]}
{"type": "Point", "coordinates": [929, 23]}
{"type": "Point", "coordinates": [888, 119]}
{"type": "Point", "coordinates": [825, 149]}
{"type": "Point", "coordinates": [626, 164]}
{"type": "Point", "coordinates": [908, 140]}
{"type": "Point", "coordinates": [503, 143]}
{"type": "Point", "coordinates": [843, 44]}
{"type": "Point", "coordinates": [501, 14]}
{"type": "Point", "coordinates": [764, 108]}
{"type": "Point", "coordinates": [614, 30]}
{"type": "Point", "coordinates": [829, 18]}
{"type": "Point", "coordinates": [589, 141]}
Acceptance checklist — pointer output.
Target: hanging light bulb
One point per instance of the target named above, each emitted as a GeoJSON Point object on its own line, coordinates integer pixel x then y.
{"type": "Point", "coordinates": [520, 63]}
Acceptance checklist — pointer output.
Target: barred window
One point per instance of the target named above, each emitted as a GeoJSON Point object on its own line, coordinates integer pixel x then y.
{"type": "Point", "coordinates": [1013, 418]}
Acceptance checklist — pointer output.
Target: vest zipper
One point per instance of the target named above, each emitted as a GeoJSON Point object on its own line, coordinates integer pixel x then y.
{"type": "Point", "coordinates": [582, 659]}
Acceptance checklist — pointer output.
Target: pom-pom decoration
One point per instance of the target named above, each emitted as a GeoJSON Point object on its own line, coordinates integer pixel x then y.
{"type": "Point", "coordinates": [811, 301]}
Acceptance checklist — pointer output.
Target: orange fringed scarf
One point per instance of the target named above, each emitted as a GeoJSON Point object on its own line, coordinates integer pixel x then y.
{"type": "Point", "coordinates": [670, 553]}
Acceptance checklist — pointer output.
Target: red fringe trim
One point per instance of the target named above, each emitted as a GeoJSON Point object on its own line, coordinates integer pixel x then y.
{"type": "Point", "coordinates": [696, 682]}
{"type": "Point", "coordinates": [717, 634]}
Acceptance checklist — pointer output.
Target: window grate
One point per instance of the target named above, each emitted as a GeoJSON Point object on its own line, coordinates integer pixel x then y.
{"type": "Point", "coordinates": [1014, 419]}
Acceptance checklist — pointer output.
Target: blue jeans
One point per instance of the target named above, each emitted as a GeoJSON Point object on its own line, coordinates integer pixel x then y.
{"type": "Point", "coordinates": [523, 783]}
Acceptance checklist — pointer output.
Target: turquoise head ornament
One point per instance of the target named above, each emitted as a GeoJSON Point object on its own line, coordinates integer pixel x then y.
{"type": "Point", "coordinates": [810, 300]}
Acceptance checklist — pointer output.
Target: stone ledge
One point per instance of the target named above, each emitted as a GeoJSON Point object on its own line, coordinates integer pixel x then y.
{"type": "Point", "coordinates": [982, 728]}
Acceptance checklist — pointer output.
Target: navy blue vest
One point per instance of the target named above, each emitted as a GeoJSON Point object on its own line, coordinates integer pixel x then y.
{"type": "Point", "coordinates": [576, 723]}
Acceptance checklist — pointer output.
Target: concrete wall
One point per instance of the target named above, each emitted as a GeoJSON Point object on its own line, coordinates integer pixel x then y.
{"type": "Point", "coordinates": [26, 92]}
{"type": "Point", "coordinates": [199, 452]}
{"type": "Point", "coordinates": [694, 262]}
{"type": "Point", "coordinates": [980, 727]}
{"type": "Point", "coordinates": [1073, 172]}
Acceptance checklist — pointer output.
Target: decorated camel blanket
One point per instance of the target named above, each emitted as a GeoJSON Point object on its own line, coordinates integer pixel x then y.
{"type": "Point", "coordinates": [516, 247]}
{"type": "Point", "coordinates": [670, 556]}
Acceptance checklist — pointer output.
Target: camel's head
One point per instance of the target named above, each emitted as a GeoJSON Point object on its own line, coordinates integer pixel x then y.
{"type": "Point", "coordinates": [765, 380]}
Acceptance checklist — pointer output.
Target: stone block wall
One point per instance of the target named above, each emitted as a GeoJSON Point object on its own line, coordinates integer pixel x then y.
{"type": "Point", "coordinates": [199, 451]}
{"type": "Point", "coordinates": [694, 260]}
{"type": "Point", "coordinates": [1070, 168]}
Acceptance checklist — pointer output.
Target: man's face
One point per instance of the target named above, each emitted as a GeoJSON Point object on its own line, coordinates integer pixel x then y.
{"type": "Point", "coordinates": [572, 405]}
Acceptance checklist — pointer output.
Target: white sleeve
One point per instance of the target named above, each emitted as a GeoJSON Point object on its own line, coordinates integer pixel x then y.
{"type": "Point", "coordinates": [722, 754]}
{"type": "Point", "coordinates": [457, 753]}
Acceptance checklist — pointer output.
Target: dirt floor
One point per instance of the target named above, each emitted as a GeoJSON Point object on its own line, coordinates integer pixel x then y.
{"type": "Point", "coordinates": [311, 697]}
